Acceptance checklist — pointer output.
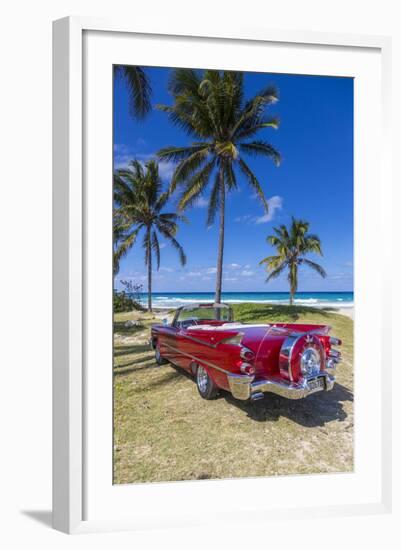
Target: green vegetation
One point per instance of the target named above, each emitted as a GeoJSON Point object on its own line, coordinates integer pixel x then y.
{"type": "Point", "coordinates": [139, 201]}
{"type": "Point", "coordinates": [210, 107]}
{"type": "Point", "coordinates": [164, 431]}
{"type": "Point", "coordinates": [127, 299]}
{"type": "Point", "coordinates": [139, 89]}
{"type": "Point", "coordinates": [292, 245]}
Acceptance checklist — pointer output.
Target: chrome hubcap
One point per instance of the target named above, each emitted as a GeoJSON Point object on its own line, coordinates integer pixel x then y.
{"type": "Point", "coordinates": [202, 379]}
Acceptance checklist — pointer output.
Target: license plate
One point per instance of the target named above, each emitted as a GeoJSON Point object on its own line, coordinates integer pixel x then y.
{"type": "Point", "coordinates": [316, 385]}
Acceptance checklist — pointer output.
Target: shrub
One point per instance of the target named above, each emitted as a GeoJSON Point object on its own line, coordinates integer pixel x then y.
{"type": "Point", "coordinates": [127, 299]}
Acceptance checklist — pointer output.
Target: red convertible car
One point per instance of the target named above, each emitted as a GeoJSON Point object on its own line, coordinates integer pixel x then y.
{"type": "Point", "coordinates": [248, 360]}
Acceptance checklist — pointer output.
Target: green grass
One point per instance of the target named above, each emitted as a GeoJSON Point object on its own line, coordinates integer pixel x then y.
{"type": "Point", "coordinates": [164, 431]}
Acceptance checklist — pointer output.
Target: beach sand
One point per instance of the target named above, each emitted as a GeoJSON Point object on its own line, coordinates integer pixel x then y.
{"type": "Point", "coordinates": [347, 311]}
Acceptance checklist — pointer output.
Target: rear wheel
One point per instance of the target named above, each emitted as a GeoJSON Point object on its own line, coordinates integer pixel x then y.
{"type": "Point", "coordinates": [206, 387]}
{"type": "Point", "coordinates": [159, 359]}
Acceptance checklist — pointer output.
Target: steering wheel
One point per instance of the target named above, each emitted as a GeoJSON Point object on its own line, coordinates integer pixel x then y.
{"type": "Point", "coordinates": [189, 322]}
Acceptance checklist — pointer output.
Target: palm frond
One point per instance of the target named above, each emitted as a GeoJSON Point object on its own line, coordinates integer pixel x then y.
{"type": "Point", "coordinates": [313, 265]}
{"type": "Point", "coordinates": [139, 89]}
{"type": "Point", "coordinates": [156, 248]}
{"type": "Point", "coordinates": [196, 186]}
{"type": "Point", "coordinates": [178, 154]}
{"type": "Point", "coordinates": [255, 126]}
{"type": "Point", "coordinates": [188, 167]}
{"type": "Point", "coordinates": [253, 181]}
{"type": "Point", "coordinates": [214, 201]}
{"type": "Point", "coordinates": [276, 272]}
{"type": "Point", "coordinates": [124, 246]}
{"type": "Point", "coordinates": [261, 148]}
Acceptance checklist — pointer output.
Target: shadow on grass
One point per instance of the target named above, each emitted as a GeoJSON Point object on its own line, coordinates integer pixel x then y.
{"type": "Point", "coordinates": [120, 328]}
{"type": "Point", "coordinates": [119, 350]}
{"type": "Point", "coordinates": [135, 366]}
{"type": "Point", "coordinates": [315, 410]}
{"type": "Point", "coordinates": [272, 313]}
{"type": "Point", "coordinates": [138, 361]}
{"type": "Point", "coordinates": [167, 379]}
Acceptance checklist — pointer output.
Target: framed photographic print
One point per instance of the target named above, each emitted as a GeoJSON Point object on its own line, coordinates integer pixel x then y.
{"type": "Point", "coordinates": [218, 321]}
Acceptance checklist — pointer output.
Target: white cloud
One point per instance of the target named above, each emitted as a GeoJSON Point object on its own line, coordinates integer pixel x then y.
{"type": "Point", "coordinates": [274, 203]}
{"type": "Point", "coordinates": [243, 218]}
{"type": "Point", "coordinates": [194, 274]}
{"type": "Point", "coordinates": [201, 202]}
{"type": "Point", "coordinates": [166, 269]}
{"type": "Point", "coordinates": [166, 170]}
{"type": "Point", "coordinates": [230, 279]}
{"type": "Point", "coordinates": [123, 154]}
{"type": "Point", "coordinates": [339, 276]}
{"type": "Point", "coordinates": [247, 273]}
{"type": "Point", "coordinates": [234, 266]}
{"type": "Point", "coordinates": [211, 270]}
{"type": "Point", "coordinates": [247, 266]}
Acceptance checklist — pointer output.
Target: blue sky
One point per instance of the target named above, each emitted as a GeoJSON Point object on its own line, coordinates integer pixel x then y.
{"type": "Point", "coordinates": [314, 182]}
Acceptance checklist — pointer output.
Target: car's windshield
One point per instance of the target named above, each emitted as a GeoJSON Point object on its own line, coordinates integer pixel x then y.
{"type": "Point", "coordinates": [213, 312]}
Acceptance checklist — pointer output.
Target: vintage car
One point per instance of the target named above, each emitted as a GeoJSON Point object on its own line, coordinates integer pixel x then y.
{"type": "Point", "coordinates": [248, 360]}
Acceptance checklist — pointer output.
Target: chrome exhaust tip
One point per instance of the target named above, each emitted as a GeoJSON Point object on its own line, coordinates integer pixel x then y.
{"type": "Point", "coordinates": [256, 396]}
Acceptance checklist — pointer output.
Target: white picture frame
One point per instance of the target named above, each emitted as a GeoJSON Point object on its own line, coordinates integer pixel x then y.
{"type": "Point", "coordinates": [70, 424]}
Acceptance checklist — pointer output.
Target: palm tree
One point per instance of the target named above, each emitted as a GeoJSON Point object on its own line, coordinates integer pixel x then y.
{"type": "Point", "coordinates": [139, 200]}
{"type": "Point", "coordinates": [210, 107]}
{"type": "Point", "coordinates": [139, 89]}
{"type": "Point", "coordinates": [292, 245]}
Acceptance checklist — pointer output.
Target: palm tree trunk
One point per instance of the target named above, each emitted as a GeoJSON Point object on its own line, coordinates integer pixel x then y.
{"type": "Point", "coordinates": [293, 282]}
{"type": "Point", "coordinates": [149, 254]}
{"type": "Point", "coordinates": [219, 274]}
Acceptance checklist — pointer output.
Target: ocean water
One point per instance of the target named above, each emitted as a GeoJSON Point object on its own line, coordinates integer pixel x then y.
{"type": "Point", "coordinates": [314, 299]}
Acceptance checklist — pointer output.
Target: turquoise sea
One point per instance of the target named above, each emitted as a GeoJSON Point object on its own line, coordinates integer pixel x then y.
{"type": "Point", "coordinates": [317, 299]}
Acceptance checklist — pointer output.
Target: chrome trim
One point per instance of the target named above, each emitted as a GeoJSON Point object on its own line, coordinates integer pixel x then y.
{"type": "Point", "coordinates": [240, 385]}
{"type": "Point", "coordinates": [287, 348]}
{"type": "Point", "coordinates": [243, 351]}
{"type": "Point", "coordinates": [257, 396]}
{"type": "Point", "coordinates": [244, 387]}
{"type": "Point", "coordinates": [202, 361]}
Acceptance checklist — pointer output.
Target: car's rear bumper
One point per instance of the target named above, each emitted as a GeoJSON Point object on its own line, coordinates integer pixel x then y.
{"type": "Point", "coordinates": [245, 387]}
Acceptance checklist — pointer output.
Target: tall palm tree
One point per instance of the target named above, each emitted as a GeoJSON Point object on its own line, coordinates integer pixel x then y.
{"type": "Point", "coordinates": [210, 107]}
{"type": "Point", "coordinates": [139, 88]}
{"type": "Point", "coordinates": [139, 200]}
{"type": "Point", "coordinates": [292, 245]}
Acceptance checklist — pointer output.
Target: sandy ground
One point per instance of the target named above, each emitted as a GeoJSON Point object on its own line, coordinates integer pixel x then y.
{"type": "Point", "coordinates": [347, 311]}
